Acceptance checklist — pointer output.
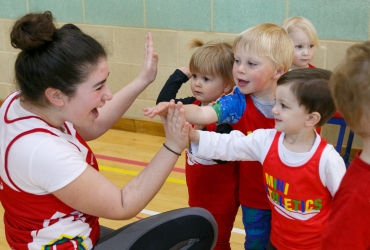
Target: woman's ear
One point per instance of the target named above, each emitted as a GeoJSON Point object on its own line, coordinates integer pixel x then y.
{"type": "Point", "coordinates": [313, 119]}
{"type": "Point", "coordinates": [55, 97]}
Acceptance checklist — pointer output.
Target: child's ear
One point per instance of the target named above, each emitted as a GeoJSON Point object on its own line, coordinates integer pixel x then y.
{"type": "Point", "coordinates": [227, 88]}
{"type": "Point", "coordinates": [55, 97]}
{"type": "Point", "coordinates": [313, 119]}
{"type": "Point", "coordinates": [279, 72]}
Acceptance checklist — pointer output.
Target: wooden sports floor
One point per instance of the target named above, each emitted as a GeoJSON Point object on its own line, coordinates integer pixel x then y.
{"type": "Point", "coordinates": [121, 156]}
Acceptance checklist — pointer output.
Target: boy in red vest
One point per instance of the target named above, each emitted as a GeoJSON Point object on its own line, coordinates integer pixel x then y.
{"type": "Point", "coordinates": [301, 170]}
{"type": "Point", "coordinates": [262, 54]}
{"type": "Point", "coordinates": [349, 224]}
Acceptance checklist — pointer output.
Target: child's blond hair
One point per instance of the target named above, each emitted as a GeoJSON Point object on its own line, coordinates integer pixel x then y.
{"type": "Point", "coordinates": [293, 23]}
{"type": "Point", "coordinates": [350, 86]}
{"type": "Point", "coordinates": [214, 58]}
{"type": "Point", "coordinates": [267, 39]}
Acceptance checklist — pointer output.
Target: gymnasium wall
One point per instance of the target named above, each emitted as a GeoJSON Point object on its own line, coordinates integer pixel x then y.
{"type": "Point", "coordinates": [121, 25]}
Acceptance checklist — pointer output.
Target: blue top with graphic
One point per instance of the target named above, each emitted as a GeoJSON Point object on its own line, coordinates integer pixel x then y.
{"type": "Point", "coordinates": [230, 108]}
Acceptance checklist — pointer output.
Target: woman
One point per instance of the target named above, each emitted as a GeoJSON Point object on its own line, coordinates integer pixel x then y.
{"type": "Point", "coordinates": [51, 191]}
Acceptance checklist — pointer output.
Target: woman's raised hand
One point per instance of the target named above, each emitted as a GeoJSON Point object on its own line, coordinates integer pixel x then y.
{"type": "Point", "coordinates": [149, 68]}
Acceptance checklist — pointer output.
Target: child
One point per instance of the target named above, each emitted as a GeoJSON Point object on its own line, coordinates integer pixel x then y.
{"type": "Point", "coordinates": [301, 170]}
{"type": "Point", "coordinates": [262, 54]}
{"type": "Point", "coordinates": [216, 188]}
{"type": "Point", "coordinates": [305, 40]}
{"type": "Point", "coordinates": [349, 223]}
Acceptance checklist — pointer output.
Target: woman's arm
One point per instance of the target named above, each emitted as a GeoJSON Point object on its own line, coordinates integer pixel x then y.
{"type": "Point", "coordinates": [93, 194]}
{"type": "Point", "coordinates": [123, 99]}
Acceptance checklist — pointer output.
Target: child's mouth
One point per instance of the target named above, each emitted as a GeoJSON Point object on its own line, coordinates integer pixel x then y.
{"type": "Point", "coordinates": [242, 83]}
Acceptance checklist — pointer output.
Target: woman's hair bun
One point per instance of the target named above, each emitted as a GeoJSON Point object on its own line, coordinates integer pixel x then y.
{"type": "Point", "coordinates": [33, 31]}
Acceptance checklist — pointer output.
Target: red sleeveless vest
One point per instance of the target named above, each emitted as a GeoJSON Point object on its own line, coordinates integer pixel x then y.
{"type": "Point", "coordinates": [251, 190]}
{"type": "Point", "coordinates": [300, 203]}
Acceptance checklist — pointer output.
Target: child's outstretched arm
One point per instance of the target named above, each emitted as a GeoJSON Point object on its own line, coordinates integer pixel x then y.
{"type": "Point", "coordinates": [159, 109]}
{"type": "Point", "coordinates": [194, 135]}
{"type": "Point", "coordinates": [231, 147]}
{"type": "Point", "coordinates": [193, 114]}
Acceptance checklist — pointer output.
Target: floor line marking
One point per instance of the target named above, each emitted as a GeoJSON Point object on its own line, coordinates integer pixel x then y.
{"type": "Point", "coordinates": [134, 173]}
{"type": "Point", "coordinates": [138, 163]}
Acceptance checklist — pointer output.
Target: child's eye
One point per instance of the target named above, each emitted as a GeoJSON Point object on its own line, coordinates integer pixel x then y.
{"type": "Point", "coordinates": [236, 61]}
{"type": "Point", "coordinates": [311, 46]}
{"type": "Point", "coordinates": [206, 79]}
{"type": "Point", "coordinates": [252, 64]}
{"type": "Point", "coordinates": [194, 76]}
{"type": "Point", "coordinates": [283, 106]}
{"type": "Point", "coordinates": [298, 46]}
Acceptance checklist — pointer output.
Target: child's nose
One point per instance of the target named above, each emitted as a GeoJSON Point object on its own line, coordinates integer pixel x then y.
{"type": "Point", "coordinates": [197, 83]}
{"type": "Point", "coordinates": [241, 69]}
{"type": "Point", "coordinates": [274, 110]}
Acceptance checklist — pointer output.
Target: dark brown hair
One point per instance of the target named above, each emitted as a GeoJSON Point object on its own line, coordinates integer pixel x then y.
{"type": "Point", "coordinates": [311, 88]}
{"type": "Point", "coordinates": [50, 57]}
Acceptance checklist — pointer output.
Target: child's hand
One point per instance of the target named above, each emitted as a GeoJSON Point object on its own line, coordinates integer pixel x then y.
{"type": "Point", "coordinates": [175, 127]}
{"type": "Point", "coordinates": [194, 135]}
{"type": "Point", "coordinates": [161, 109]}
{"type": "Point", "coordinates": [186, 71]}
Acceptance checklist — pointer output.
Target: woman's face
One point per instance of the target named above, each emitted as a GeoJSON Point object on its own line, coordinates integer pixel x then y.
{"type": "Point", "coordinates": [82, 109]}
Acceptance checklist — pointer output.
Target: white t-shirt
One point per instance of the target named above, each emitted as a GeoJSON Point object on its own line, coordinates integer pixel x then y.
{"type": "Point", "coordinates": [254, 147]}
{"type": "Point", "coordinates": [36, 160]}
{"type": "Point", "coordinates": [34, 171]}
